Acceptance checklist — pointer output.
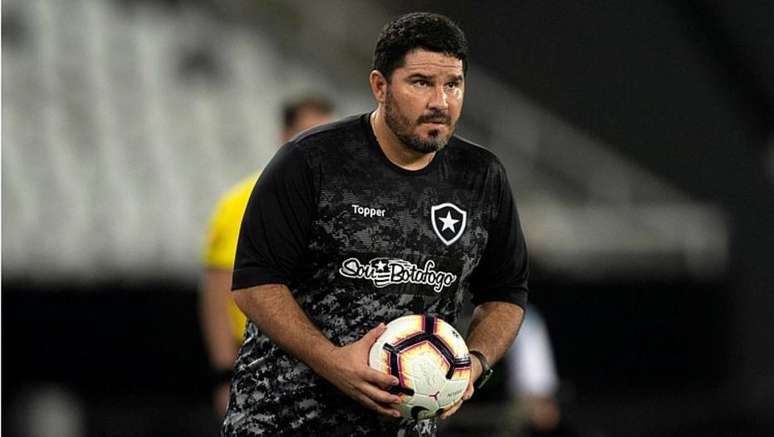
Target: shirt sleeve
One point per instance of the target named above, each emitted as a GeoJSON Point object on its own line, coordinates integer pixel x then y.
{"type": "Point", "coordinates": [275, 227]}
{"type": "Point", "coordinates": [503, 271]}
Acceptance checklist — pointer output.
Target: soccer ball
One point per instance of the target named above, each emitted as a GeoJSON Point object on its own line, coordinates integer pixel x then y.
{"type": "Point", "coordinates": [429, 358]}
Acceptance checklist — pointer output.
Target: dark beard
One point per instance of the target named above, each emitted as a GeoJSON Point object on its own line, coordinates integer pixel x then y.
{"type": "Point", "coordinates": [401, 127]}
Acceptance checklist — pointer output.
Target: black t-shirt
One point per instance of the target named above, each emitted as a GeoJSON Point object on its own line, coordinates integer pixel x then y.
{"type": "Point", "coordinates": [359, 240]}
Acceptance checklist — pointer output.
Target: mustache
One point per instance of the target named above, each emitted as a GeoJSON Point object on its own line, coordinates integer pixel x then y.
{"type": "Point", "coordinates": [435, 117]}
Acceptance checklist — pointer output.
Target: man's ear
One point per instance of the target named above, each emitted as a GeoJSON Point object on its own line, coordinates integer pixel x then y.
{"type": "Point", "coordinates": [378, 84]}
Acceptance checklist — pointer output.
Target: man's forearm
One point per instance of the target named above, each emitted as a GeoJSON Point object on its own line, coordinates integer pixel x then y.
{"type": "Point", "coordinates": [278, 315]}
{"type": "Point", "coordinates": [215, 319]}
{"type": "Point", "coordinates": [493, 328]}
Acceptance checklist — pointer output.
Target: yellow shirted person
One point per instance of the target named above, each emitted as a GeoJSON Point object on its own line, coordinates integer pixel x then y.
{"type": "Point", "coordinates": [222, 239]}
{"type": "Point", "coordinates": [222, 322]}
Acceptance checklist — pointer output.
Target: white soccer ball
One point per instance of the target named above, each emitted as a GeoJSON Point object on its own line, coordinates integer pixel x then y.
{"type": "Point", "coordinates": [429, 358]}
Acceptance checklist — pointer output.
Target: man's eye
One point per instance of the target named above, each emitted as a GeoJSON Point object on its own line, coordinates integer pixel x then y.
{"type": "Point", "coordinates": [421, 82]}
{"type": "Point", "coordinates": [453, 85]}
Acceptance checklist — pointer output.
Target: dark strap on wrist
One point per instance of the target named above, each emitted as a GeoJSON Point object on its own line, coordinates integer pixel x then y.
{"type": "Point", "coordinates": [486, 370]}
{"type": "Point", "coordinates": [481, 359]}
{"type": "Point", "coordinates": [221, 376]}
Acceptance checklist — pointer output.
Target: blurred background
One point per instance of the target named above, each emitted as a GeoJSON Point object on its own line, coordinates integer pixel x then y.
{"type": "Point", "coordinates": [637, 137]}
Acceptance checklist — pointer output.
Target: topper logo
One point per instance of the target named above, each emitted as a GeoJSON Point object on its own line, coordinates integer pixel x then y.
{"type": "Point", "coordinates": [368, 212]}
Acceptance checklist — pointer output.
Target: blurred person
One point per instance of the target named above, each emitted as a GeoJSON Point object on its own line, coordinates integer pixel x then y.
{"type": "Point", "coordinates": [533, 380]}
{"type": "Point", "coordinates": [47, 410]}
{"type": "Point", "coordinates": [386, 189]}
{"type": "Point", "coordinates": [223, 324]}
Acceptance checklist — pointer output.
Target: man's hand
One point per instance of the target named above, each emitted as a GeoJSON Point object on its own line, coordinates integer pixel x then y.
{"type": "Point", "coordinates": [275, 311]}
{"type": "Point", "coordinates": [220, 399]}
{"type": "Point", "coordinates": [349, 371]}
{"type": "Point", "coordinates": [475, 372]}
{"type": "Point", "coordinates": [492, 330]}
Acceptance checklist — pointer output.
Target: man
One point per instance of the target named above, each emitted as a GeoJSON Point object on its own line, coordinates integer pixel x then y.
{"type": "Point", "coordinates": [534, 382]}
{"type": "Point", "coordinates": [223, 324]}
{"type": "Point", "coordinates": [393, 187]}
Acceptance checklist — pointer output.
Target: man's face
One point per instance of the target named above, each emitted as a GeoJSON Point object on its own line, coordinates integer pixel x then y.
{"type": "Point", "coordinates": [306, 118]}
{"type": "Point", "coordinates": [424, 100]}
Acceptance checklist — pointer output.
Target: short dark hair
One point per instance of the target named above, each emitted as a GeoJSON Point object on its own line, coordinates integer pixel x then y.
{"type": "Point", "coordinates": [425, 30]}
{"type": "Point", "coordinates": [293, 107]}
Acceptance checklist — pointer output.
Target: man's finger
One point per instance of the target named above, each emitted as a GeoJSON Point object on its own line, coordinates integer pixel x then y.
{"type": "Point", "coordinates": [456, 406]}
{"type": "Point", "coordinates": [374, 334]}
{"type": "Point", "coordinates": [377, 407]}
{"type": "Point", "coordinates": [379, 395]}
{"type": "Point", "coordinates": [381, 379]}
{"type": "Point", "coordinates": [469, 392]}
{"type": "Point", "coordinates": [453, 409]}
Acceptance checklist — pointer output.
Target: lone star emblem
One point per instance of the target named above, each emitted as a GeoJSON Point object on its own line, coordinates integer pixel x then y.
{"type": "Point", "coordinates": [446, 218]}
{"type": "Point", "coordinates": [448, 222]}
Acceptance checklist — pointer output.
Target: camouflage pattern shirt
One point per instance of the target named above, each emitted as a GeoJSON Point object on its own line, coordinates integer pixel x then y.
{"type": "Point", "coordinates": [359, 240]}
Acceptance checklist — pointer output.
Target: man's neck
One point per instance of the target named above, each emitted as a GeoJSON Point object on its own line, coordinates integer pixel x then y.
{"type": "Point", "coordinates": [397, 152]}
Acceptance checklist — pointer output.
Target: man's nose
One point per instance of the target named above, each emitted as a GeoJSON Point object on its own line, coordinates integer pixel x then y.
{"type": "Point", "coordinates": [439, 99]}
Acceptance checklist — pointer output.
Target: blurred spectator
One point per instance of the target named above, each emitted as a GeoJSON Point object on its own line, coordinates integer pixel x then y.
{"type": "Point", "coordinates": [222, 322]}
{"type": "Point", "coordinates": [533, 380]}
{"type": "Point", "coordinates": [47, 411]}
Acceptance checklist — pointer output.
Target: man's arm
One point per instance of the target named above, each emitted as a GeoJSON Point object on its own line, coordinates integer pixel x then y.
{"type": "Point", "coordinates": [274, 310]}
{"type": "Point", "coordinates": [492, 330]}
{"type": "Point", "coordinates": [216, 328]}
